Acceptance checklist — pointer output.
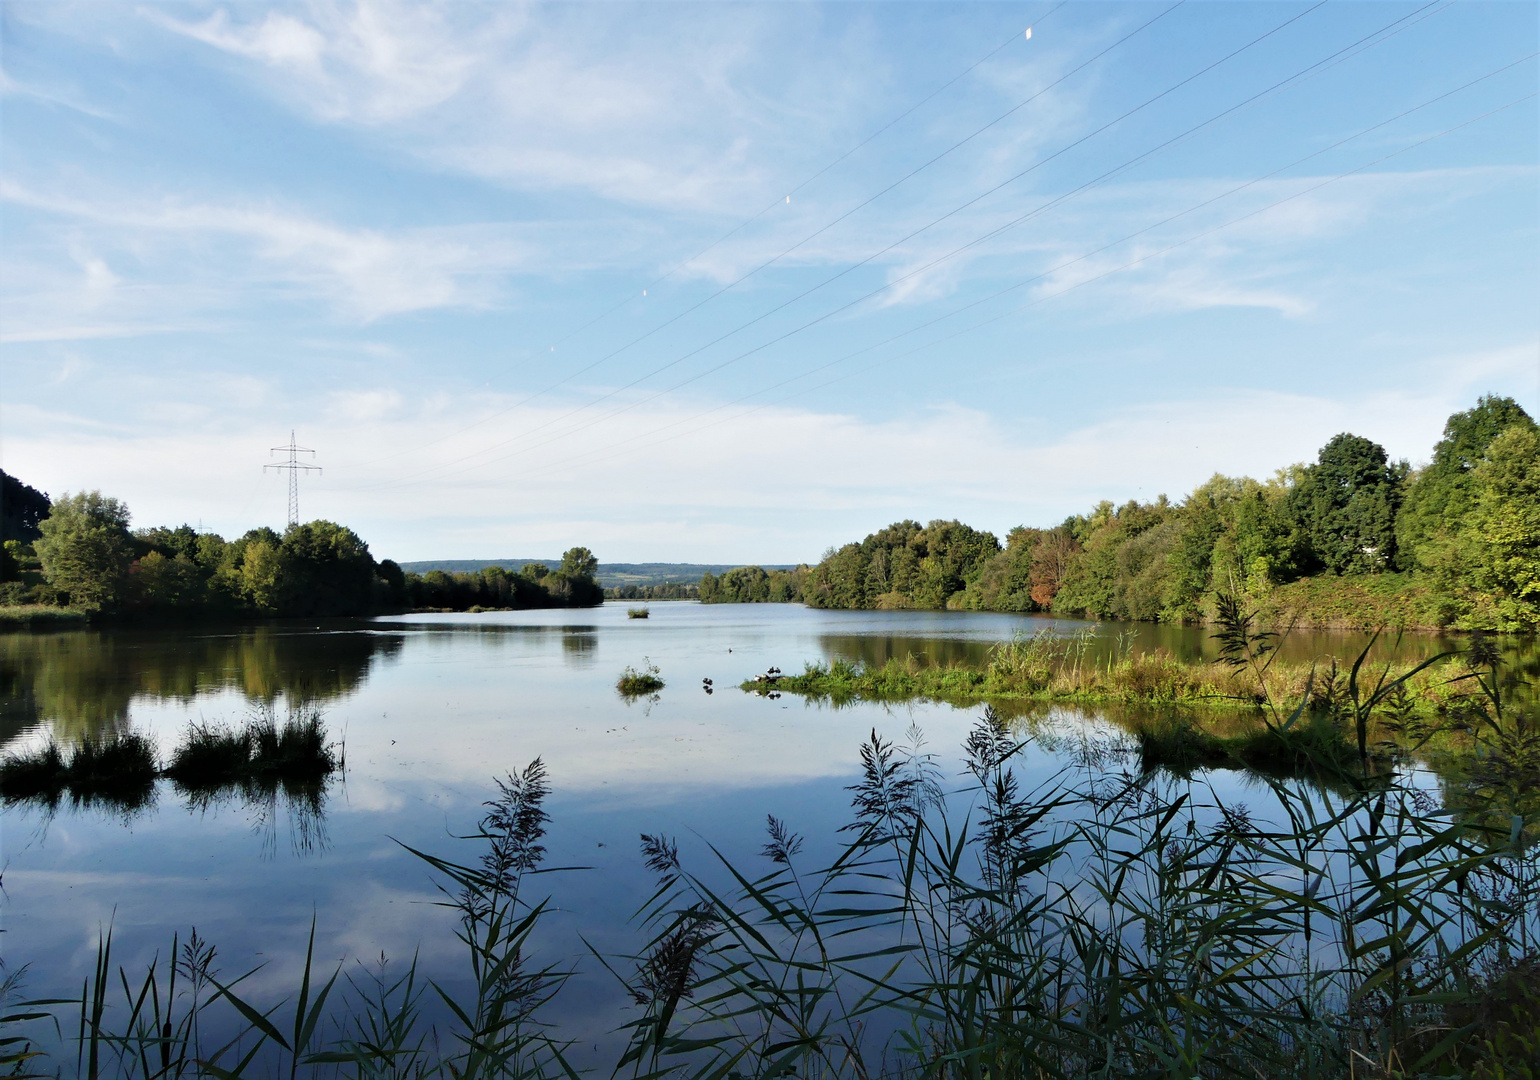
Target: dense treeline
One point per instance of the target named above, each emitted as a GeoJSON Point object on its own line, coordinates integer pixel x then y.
{"type": "Point", "coordinates": [79, 553]}
{"type": "Point", "coordinates": [1351, 538]}
{"type": "Point", "coordinates": [754, 585]}
{"type": "Point", "coordinates": [536, 585]}
{"type": "Point", "coordinates": [668, 590]}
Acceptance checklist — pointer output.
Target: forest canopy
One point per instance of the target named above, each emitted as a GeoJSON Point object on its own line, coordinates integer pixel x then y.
{"type": "Point", "coordinates": [1351, 538]}
{"type": "Point", "coordinates": [84, 557]}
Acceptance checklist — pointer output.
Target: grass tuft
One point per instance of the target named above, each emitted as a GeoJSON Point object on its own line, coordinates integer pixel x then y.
{"type": "Point", "coordinates": [634, 683]}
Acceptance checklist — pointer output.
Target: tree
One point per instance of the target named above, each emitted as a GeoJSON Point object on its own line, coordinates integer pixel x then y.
{"type": "Point", "coordinates": [573, 584]}
{"type": "Point", "coordinates": [1501, 540]}
{"type": "Point", "coordinates": [22, 509]}
{"type": "Point", "coordinates": [1346, 506]}
{"type": "Point", "coordinates": [325, 569]}
{"type": "Point", "coordinates": [85, 549]}
{"type": "Point", "coordinates": [578, 562]}
{"type": "Point", "coordinates": [1441, 494]}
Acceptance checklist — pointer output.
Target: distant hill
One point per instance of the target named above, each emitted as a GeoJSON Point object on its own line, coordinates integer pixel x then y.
{"type": "Point", "coordinates": [610, 574]}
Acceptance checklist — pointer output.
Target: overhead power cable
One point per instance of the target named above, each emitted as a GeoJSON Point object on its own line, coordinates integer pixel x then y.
{"type": "Point", "coordinates": [1314, 68]}
{"type": "Point", "coordinates": [824, 228]}
{"type": "Point", "coordinates": [783, 199]}
{"type": "Point", "coordinates": [780, 200]}
{"type": "Point", "coordinates": [1038, 164]}
{"type": "Point", "coordinates": [608, 451]}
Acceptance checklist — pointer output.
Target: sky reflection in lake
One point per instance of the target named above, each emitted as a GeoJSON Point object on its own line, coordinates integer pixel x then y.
{"type": "Point", "coordinates": [430, 709]}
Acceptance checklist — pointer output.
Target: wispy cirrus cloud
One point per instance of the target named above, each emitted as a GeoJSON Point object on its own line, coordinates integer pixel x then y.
{"type": "Point", "coordinates": [229, 250]}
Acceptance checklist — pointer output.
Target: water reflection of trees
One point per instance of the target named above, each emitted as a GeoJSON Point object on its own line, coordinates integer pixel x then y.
{"type": "Point", "coordinates": [82, 682]}
{"type": "Point", "coordinates": [1192, 644]}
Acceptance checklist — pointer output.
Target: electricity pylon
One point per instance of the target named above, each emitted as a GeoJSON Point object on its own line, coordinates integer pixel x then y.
{"type": "Point", "coordinates": [294, 466]}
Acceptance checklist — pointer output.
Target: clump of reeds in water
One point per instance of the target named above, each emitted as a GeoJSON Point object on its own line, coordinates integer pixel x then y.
{"type": "Point", "coordinates": [637, 613]}
{"type": "Point", "coordinates": [116, 771]}
{"type": "Point", "coordinates": [260, 758]}
{"type": "Point", "coordinates": [635, 683]}
{"type": "Point", "coordinates": [260, 753]}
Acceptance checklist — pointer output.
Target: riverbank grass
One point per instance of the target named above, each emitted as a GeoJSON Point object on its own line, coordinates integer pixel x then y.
{"type": "Point", "coordinates": [20, 616]}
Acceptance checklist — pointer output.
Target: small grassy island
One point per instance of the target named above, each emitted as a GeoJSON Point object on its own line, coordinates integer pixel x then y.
{"type": "Point", "coordinates": [635, 683]}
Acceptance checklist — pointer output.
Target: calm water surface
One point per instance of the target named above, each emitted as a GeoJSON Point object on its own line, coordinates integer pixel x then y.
{"type": "Point", "coordinates": [431, 709]}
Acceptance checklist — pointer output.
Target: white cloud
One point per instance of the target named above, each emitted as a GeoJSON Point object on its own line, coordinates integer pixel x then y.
{"type": "Point", "coordinates": [362, 274]}
{"type": "Point", "coordinates": [777, 484]}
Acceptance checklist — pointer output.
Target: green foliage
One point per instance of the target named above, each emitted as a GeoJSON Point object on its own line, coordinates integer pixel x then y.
{"type": "Point", "coordinates": [22, 509]}
{"type": "Point", "coordinates": [1317, 545]}
{"type": "Point", "coordinates": [117, 771]}
{"type": "Point", "coordinates": [754, 585]}
{"type": "Point", "coordinates": [1440, 495]}
{"type": "Point", "coordinates": [667, 590]}
{"type": "Point", "coordinates": [1346, 506]}
{"type": "Point", "coordinates": [903, 566]}
{"type": "Point", "coordinates": [323, 569]}
{"type": "Point", "coordinates": [573, 583]}
{"type": "Point", "coordinates": [86, 551]}
{"type": "Point", "coordinates": [1501, 535]}
{"type": "Point", "coordinates": [578, 562]}
{"type": "Point", "coordinates": [493, 588]}
{"type": "Point", "coordinates": [635, 683]}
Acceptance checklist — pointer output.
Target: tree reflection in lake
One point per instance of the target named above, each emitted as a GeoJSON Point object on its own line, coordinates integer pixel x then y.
{"type": "Point", "coordinates": [80, 683]}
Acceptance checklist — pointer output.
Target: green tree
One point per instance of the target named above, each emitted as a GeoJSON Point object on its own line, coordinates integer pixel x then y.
{"type": "Point", "coordinates": [1440, 495]}
{"type": "Point", "coordinates": [86, 549]}
{"type": "Point", "coordinates": [22, 509]}
{"type": "Point", "coordinates": [1501, 538]}
{"type": "Point", "coordinates": [579, 562]}
{"type": "Point", "coordinates": [573, 584]}
{"type": "Point", "coordinates": [1346, 506]}
{"type": "Point", "coordinates": [325, 569]}
{"type": "Point", "coordinates": [260, 573]}
{"type": "Point", "coordinates": [159, 583]}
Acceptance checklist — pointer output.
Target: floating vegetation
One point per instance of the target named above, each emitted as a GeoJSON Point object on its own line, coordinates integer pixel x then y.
{"type": "Point", "coordinates": [634, 683]}
{"type": "Point", "coordinates": [637, 613]}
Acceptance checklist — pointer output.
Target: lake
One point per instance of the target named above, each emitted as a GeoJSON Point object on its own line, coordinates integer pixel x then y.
{"type": "Point", "coordinates": [430, 709]}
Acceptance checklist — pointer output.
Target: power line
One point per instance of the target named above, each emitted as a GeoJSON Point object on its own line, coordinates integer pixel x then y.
{"type": "Point", "coordinates": [293, 466]}
{"type": "Point", "coordinates": [1065, 265]}
{"type": "Point", "coordinates": [1380, 33]}
{"type": "Point", "coordinates": [816, 233]}
{"type": "Point", "coordinates": [780, 200]}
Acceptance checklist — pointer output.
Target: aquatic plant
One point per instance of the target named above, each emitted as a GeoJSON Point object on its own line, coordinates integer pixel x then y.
{"type": "Point", "coordinates": [213, 761]}
{"type": "Point", "coordinates": [116, 771]}
{"type": "Point", "coordinates": [634, 683]}
{"type": "Point", "coordinates": [637, 613]}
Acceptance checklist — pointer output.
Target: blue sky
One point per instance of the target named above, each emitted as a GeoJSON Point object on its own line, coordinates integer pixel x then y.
{"type": "Point", "coordinates": [736, 282]}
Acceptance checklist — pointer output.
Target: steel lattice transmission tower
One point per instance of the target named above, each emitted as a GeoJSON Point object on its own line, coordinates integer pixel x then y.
{"type": "Point", "coordinates": [294, 466]}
